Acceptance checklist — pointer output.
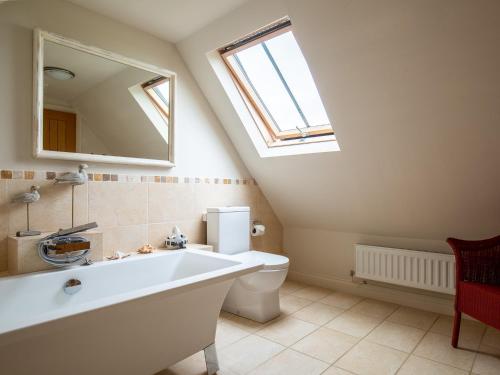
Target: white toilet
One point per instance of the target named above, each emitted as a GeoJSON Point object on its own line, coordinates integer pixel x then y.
{"type": "Point", "coordinates": [254, 296]}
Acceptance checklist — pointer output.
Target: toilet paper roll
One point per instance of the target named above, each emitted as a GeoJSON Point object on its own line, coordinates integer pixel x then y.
{"type": "Point", "coordinates": [258, 230]}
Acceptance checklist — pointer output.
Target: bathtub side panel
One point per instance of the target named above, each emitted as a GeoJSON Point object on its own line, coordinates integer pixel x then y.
{"type": "Point", "coordinates": [138, 337]}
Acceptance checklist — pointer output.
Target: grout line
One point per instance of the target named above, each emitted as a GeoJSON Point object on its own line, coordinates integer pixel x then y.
{"type": "Point", "coordinates": [310, 356]}
{"type": "Point", "coordinates": [478, 347]}
{"type": "Point", "coordinates": [360, 339]}
{"type": "Point", "coordinates": [419, 341]}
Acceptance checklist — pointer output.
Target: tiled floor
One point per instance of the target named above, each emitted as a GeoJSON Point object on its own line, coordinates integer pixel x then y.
{"type": "Point", "coordinates": [332, 333]}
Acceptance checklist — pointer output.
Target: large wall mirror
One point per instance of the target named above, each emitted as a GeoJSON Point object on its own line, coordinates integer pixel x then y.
{"type": "Point", "coordinates": [94, 105]}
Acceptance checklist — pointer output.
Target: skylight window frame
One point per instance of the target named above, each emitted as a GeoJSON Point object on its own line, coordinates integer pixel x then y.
{"type": "Point", "coordinates": [159, 103]}
{"type": "Point", "coordinates": [266, 124]}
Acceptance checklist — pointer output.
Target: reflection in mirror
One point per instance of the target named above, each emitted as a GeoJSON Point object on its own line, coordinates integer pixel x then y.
{"type": "Point", "coordinates": [94, 105]}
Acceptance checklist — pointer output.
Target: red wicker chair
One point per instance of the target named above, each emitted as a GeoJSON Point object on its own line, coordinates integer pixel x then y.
{"type": "Point", "coordinates": [477, 282]}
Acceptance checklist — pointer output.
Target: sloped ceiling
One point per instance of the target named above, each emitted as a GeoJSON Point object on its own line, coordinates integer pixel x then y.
{"type": "Point", "coordinates": [172, 20]}
{"type": "Point", "coordinates": [413, 89]}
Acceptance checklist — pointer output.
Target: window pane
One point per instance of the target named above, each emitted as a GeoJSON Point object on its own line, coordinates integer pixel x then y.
{"type": "Point", "coordinates": [163, 91]}
{"type": "Point", "coordinates": [269, 87]}
{"type": "Point", "coordinates": [288, 56]}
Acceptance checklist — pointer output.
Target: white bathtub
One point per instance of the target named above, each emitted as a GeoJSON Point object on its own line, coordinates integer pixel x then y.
{"type": "Point", "coordinates": [133, 316]}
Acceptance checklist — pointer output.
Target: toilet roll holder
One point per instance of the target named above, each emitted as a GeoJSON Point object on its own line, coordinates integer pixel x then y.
{"type": "Point", "coordinates": [258, 229]}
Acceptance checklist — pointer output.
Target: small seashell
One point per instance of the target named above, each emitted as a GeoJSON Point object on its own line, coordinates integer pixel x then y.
{"type": "Point", "coordinates": [146, 249]}
{"type": "Point", "coordinates": [117, 255]}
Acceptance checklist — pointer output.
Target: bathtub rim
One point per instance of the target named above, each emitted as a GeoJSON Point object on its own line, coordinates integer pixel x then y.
{"type": "Point", "coordinates": [171, 287]}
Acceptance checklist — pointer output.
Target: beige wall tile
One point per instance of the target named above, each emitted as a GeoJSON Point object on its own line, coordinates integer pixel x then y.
{"type": "Point", "coordinates": [170, 202]}
{"type": "Point", "coordinates": [241, 195]}
{"type": "Point", "coordinates": [133, 205]}
{"type": "Point", "coordinates": [116, 203]}
{"type": "Point", "coordinates": [81, 204]}
{"type": "Point", "coordinates": [124, 238]}
{"type": "Point", "coordinates": [195, 230]}
{"type": "Point", "coordinates": [51, 212]}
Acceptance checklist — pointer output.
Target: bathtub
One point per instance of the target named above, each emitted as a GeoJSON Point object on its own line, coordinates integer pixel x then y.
{"type": "Point", "coordinates": [134, 316]}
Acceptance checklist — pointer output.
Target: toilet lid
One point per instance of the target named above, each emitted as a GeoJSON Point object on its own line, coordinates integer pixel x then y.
{"type": "Point", "coordinates": [271, 261]}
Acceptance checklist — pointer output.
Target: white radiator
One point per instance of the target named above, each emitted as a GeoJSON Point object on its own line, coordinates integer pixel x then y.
{"type": "Point", "coordinates": [416, 269]}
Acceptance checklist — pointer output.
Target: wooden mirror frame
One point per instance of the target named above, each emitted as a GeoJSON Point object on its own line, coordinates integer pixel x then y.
{"type": "Point", "coordinates": [40, 36]}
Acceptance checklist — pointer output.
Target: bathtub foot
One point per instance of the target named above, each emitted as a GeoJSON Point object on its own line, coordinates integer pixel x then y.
{"type": "Point", "coordinates": [211, 359]}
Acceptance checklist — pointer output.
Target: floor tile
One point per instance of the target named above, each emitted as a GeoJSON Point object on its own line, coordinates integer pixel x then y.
{"type": "Point", "coordinates": [396, 336]}
{"type": "Point", "coordinates": [438, 348]}
{"type": "Point", "coordinates": [312, 293]}
{"type": "Point", "coordinates": [248, 353]}
{"type": "Point", "coordinates": [290, 362]}
{"type": "Point", "coordinates": [194, 365]}
{"type": "Point", "coordinates": [318, 313]}
{"type": "Point", "coordinates": [486, 365]}
{"type": "Point", "coordinates": [290, 286]}
{"type": "Point", "coordinates": [471, 331]}
{"type": "Point", "coordinates": [413, 317]}
{"type": "Point", "coordinates": [240, 322]}
{"type": "Point", "coordinates": [325, 344]}
{"type": "Point", "coordinates": [368, 358]}
{"type": "Point", "coordinates": [353, 324]}
{"type": "Point", "coordinates": [341, 300]}
{"type": "Point", "coordinates": [332, 370]}
{"type": "Point", "coordinates": [375, 308]}
{"type": "Point", "coordinates": [421, 366]}
{"type": "Point", "coordinates": [287, 331]}
{"type": "Point", "coordinates": [227, 333]}
{"type": "Point", "coordinates": [290, 304]}
{"type": "Point", "coordinates": [491, 340]}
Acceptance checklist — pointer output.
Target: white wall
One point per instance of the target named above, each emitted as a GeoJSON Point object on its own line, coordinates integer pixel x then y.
{"type": "Point", "coordinates": [208, 153]}
{"type": "Point", "coordinates": [413, 90]}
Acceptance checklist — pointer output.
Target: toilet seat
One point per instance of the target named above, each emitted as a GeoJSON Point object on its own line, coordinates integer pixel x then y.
{"type": "Point", "coordinates": [271, 261]}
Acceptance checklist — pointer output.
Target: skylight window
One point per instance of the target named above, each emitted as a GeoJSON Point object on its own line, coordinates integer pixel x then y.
{"type": "Point", "coordinates": [273, 77]}
{"type": "Point", "coordinates": [158, 91]}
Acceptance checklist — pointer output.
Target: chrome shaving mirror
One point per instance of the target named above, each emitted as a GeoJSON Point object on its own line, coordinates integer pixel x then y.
{"type": "Point", "coordinates": [94, 105]}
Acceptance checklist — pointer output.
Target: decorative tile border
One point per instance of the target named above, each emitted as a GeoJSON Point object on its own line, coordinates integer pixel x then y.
{"type": "Point", "coordinates": [8, 174]}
